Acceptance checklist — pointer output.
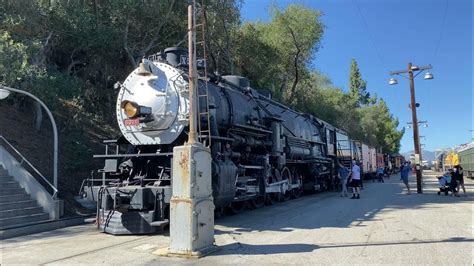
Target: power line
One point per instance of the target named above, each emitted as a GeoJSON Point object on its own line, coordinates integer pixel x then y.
{"type": "Point", "coordinates": [442, 29]}
{"type": "Point", "coordinates": [369, 33]}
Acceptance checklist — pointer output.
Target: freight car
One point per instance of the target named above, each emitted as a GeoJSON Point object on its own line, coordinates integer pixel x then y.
{"type": "Point", "coordinates": [466, 159]}
{"type": "Point", "coordinates": [262, 151]}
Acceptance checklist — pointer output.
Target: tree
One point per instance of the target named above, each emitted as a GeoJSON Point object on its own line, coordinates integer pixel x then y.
{"type": "Point", "coordinates": [358, 86]}
{"type": "Point", "coordinates": [286, 46]}
{"type": "Point", "coordinates": [379, 127]}
{"type": "Point", "coordinates": [222, 20]}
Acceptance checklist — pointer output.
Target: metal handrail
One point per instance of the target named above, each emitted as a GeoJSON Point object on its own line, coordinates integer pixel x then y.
{"type": "Point", "coordinates": [23, 159]}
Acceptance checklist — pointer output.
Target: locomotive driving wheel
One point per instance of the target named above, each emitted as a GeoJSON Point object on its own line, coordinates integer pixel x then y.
{"type": "Point", "coordinates": [298, 191]}
{"type": "Point", "coordinates": [237, 207]}
{"type": "Point", "coordinates": [269, 199]}
{"type": "Point", "coordinates": [258, 202]}
{"type": "Point", "coordinates": [286, 175]}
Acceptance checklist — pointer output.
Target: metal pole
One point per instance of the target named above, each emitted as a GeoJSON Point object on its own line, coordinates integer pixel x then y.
{"type": "Point", "coordinates": [416, 138]}
{"type": "Point", "coordinates": [192, 73]}
{"type": "Point", "coordinates": [53, 125]}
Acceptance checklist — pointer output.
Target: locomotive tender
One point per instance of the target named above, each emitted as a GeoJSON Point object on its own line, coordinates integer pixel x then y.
{"type": "Point", "coordinates": [262, 151]}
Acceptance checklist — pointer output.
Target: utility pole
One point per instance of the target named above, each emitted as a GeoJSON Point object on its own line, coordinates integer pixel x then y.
{"type": "Point", "coordinates": [192, 72]}
{"type": "Point", "coordinates": [191, 204]}
{"type": "Point", "coordinates": [413, 105]}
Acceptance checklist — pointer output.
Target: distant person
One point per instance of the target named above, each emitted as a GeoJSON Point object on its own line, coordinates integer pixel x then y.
{"type": "Point", "coordinates": [380, 174]}
{"type": "Point", "coordinates": [404, 172]}
{"type": "Point", "coordinates": [355, 180]}
{"type": "Point", "coordinates": [459, 177]}
{"type": "Point", "coordinates": [343, 172]}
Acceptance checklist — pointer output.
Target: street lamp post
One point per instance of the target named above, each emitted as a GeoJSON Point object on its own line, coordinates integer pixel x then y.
{"type": "Point", "coordinates": [5, 91]}
{"type": "Point", "coordinates": [413, 105]}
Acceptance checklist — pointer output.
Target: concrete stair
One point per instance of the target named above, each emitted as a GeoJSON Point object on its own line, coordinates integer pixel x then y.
{"type": "Point", "coordinates": [16, 206]}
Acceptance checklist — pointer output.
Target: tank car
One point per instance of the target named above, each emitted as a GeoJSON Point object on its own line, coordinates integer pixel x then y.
{"type": "Point", "coordinates": [262, 151]}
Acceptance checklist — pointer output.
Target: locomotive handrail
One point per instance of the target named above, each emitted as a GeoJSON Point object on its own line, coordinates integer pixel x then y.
{"type": "Point", "coordinates": [23, 159]}
{"type": "Point", "coordinates": [131, 155]}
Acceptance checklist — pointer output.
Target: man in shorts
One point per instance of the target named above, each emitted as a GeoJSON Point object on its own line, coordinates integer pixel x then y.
{"type": "Point", "coordinates": [355, 177]}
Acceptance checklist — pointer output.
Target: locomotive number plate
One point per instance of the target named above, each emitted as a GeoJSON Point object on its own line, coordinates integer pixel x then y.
{"type": "Point", "coordinates": [131, 122]}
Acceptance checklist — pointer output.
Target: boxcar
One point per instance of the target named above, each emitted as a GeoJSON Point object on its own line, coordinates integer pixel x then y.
{"type": "Point", "coordinates": [380, 160]}
{"type": "Point", "coordinates": [466, 160]}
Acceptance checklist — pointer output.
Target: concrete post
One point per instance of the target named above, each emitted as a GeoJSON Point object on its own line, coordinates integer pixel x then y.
{"type": "Point", "coordinates": [192, 205]}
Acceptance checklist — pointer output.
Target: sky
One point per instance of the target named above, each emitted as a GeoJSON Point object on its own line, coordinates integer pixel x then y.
{"type": "Point", "coordinates": [385, 36]}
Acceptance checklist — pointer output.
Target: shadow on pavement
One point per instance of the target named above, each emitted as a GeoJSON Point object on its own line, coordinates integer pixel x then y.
{"type": "Point", "coordinates": [246, 249]}
{"type": "Point", "coordinates": [328, 210]}
{"type": "Point", "coordinates": [240, 248]}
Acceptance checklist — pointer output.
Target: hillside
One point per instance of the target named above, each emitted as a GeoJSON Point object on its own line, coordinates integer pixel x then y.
{"type": "Point", "coordinates": [77, 143]}
{"type": "Point", "coordinates": [426, 155]}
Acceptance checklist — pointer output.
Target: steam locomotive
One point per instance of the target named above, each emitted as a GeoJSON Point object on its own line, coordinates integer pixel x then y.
{"type": "Point", "coordinates": [262, 151]}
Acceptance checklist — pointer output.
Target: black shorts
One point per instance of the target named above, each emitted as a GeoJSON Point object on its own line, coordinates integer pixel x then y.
{"type": "Point", "coordinates": [355, 183]}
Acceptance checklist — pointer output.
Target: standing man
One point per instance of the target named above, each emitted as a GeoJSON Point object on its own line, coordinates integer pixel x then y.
{"type": "Point", "coordinates": [459, 177]}
{"type": "Point", "coordinates": [404, 172]}
{"type": "Point", "coordinates": [355, 176]}
{"type": "Point", "coordinates": [380, 173]}
{"type": "Point", "coordinates": [343, 176]}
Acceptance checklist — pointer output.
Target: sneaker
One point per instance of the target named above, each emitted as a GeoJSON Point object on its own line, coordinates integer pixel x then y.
{"type": "Point", "coordinates": [358, 196]}
{"type": "Point", "coordinates": [353, 197]}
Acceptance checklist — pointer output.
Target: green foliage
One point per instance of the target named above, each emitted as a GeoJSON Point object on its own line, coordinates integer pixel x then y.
{"type": "Point", "coordinates": [358, 86]}
{"type": "Point", "coordinates": [222, 20]}
{"type": "Point", "coordinates": [277, 55]}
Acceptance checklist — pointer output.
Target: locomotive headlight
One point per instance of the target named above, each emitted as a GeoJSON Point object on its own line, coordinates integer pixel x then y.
{"type": "Point", "coordinates": [131, 109]}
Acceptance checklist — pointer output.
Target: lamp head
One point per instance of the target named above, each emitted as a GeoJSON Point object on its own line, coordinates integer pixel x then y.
{"type": "Point", "coordinates": [428, 75]}
{"type": "Point", "coordinates": [392, 81]}
{"type": "Point", "coordinates": [4, 94]}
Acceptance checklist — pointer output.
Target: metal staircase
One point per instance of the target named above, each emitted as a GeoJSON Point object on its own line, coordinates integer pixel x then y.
{"type": "Point", "coordinates": [17, 208]}
{"type": "Point", "coordinates": [28, 200]}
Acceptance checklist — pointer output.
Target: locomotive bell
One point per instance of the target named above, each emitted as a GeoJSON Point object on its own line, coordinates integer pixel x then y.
{"type": "Point", "coordinates": [143, 69]}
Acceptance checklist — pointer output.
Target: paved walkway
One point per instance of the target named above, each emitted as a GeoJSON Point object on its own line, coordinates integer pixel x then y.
{"type": "Point", "coordinates": [385, 226]}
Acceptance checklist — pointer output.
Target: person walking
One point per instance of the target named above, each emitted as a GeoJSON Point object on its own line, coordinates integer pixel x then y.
{"type": "Point", "coordinates": [404, 172]}
{"type": "Point", "coordinates": [380, 174]}
{"type": "Point", "coordinates": [343, 172]}
{"type": "Point", "coordinates": [355, 180]}
{"type": "Point", "coordinates": [459, 177]}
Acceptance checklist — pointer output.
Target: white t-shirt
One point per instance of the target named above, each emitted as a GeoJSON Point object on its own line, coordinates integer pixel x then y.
{"type": "Point", "coordinates": [356, 172]}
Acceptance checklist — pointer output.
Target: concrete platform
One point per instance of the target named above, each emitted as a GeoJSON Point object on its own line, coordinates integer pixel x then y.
{"type": "Point", "coordinates": [385, 226]}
